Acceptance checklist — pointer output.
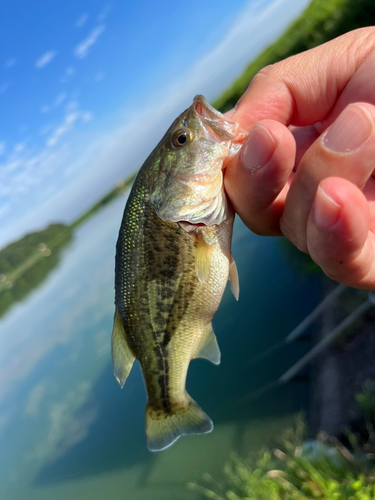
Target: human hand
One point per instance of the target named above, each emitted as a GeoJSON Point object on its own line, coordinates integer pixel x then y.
{"type": "Point", "coordinates": [307, 168]}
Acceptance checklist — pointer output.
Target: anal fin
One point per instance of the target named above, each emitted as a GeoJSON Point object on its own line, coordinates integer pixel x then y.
{"type": "Point", "coordinates": [122, 357]}
{"type": "Point", "coordinates": [209, 348]}
{"type": "Point", "coordinates": [234, 281]}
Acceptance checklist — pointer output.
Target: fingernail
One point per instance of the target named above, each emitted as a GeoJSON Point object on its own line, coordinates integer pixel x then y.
{"type": "Point", "coordinates": [326, 210]}
{"type": "Point", "coordinates": [351, 129]}
{"type": "Point", "coordinates": [230, 113]}
{"type": "Point", "coordinates": [258, 148]}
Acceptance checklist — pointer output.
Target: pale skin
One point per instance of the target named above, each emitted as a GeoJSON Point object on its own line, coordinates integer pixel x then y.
{"type": "Point", "coordinates": [306, 170]}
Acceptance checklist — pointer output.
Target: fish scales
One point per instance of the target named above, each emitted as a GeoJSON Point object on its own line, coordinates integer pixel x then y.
{"type": "Point", "coordinates": [170, 274]}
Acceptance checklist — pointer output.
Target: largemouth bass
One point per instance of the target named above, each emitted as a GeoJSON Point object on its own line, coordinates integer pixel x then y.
{"type": "Point", "coordinates": [173, 260]}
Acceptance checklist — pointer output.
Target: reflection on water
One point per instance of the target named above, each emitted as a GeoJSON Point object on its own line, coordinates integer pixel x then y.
{"type": "Point", "coordinates": [66, 428]}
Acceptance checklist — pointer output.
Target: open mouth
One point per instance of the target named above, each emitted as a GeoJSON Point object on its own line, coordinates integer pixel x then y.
{"type": "Point", "coordinates": [219, 128]}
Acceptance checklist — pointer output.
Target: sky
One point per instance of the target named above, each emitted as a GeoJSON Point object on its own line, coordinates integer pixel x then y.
{"type": "Point", "coordinates": [87, 88]}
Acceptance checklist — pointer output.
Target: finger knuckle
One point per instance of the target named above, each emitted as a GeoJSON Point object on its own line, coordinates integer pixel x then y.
{"type": "Point", "coordinates": [295, 237]}
{"type": "Point", "coordinates": [266, 72]}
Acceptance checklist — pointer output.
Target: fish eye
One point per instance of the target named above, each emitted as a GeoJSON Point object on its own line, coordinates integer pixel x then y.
{"type": "Point", "coordinates": [181, 137]}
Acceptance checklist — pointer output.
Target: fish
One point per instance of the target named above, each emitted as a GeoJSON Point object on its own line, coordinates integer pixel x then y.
{"type": "Point", "coordinates": [173, 261]}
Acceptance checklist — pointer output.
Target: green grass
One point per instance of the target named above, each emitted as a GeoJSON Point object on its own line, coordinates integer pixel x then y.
{"type": "Point", "coordinates": [321, 469]}
{"type": "Point", "coordinates": [322, 21]}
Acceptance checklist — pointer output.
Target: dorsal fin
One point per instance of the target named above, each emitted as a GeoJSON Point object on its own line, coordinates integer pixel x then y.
{"type": "Point", "coordinates": [208, 348]}
{"type": "Point", "coordinates": [122, 357]}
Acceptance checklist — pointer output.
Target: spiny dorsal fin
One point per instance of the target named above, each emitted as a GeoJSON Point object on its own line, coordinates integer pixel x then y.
{"type": "Point", "coordinates": [208, 348]}
{"type": "Point", "coordinates": [203, 258]}
{"type": "Point", "coordinates": [122, 357]}
{"type": "Point", "coordinates": [234, 282]}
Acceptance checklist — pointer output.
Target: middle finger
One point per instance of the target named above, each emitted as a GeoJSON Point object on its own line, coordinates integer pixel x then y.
{"type": "Point", "coordinates": [347, 150]}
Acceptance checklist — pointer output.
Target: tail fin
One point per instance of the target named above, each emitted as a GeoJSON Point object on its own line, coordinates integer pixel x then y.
{"type": "Point", "coordinates": [163, 428]}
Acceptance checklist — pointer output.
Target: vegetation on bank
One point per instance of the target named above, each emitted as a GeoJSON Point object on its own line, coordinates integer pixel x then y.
{"type": "Point", "coordinates": [25, 263]}
{"type": "Point", "coordinates": [303, 469]}
{"type": "Point", "coordinates": [322, 21]}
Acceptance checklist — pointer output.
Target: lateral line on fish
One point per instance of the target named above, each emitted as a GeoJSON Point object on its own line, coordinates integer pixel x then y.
{"type": "Point", "coordinates": [164, 388]}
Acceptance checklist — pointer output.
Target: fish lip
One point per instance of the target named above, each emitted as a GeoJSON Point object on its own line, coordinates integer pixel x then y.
{"type": "Point", "coordinates": [205, 110]}
{"type": "Point", "coordinates": [218, 127]}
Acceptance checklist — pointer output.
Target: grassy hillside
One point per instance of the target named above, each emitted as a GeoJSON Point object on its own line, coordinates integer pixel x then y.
{"type": "Point", "coordinates": [320, 22]}
{"type": "Point", "coordinates": [25, 264]}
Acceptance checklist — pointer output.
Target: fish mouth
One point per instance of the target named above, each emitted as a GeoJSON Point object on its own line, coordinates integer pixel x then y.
{"type": "Point", "coordinates": [218, 127]}
{"type": "Point", "coordinates": [204, 108]}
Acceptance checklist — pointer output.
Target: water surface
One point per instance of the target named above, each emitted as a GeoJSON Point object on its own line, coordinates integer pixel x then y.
{"type": "Point", "coordinates": [66, 428]}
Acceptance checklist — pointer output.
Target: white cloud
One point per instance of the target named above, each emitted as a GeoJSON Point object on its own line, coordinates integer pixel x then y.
{"type": "Point", "coordinates": [19, 147]}
{"type": "Point", "coordinates": [45, 59]}
{"type": "Point", "coordinates": [23, 170]}
{"type": "Point", "coordinates": [56, 103]}
{"type": "Point", "coordinates": [60, 98]}
{"type": "Point", "coordinates": [99, 77]}
{"type": "Point", "coordinates": [5, 209]}
{"type": "Point", "coordinates": [46, 129]}
{"type": "Point", "coordinates": [82, 49]}
{"type": "Point", "coordinates": [64, 429]}
{"type": "Point", "coordinates": [81, 20]}
{"type": "Point", "coordinates": [10, 62]}
{"type": "Point", "coordinates": [68, 73]}
{"type": "Point", "coordinates": [36, 396]}
{"type": "Point", "coordinates": [69, 120]}
{"type": "Point", "coordinates": [103, 14]}
{"type": "Point", "coordinates": [4, 87]}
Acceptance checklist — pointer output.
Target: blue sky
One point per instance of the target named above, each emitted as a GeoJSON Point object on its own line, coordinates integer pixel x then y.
{"type": "Point", "coordinates": [87, 88]}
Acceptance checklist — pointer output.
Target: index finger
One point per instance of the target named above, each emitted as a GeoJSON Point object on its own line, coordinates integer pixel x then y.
{"type": "Point", "coordinates": [303, 89]}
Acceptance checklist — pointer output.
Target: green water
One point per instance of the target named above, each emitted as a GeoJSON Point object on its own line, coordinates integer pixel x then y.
{"type": "Point", "coordinates": [66, 428]}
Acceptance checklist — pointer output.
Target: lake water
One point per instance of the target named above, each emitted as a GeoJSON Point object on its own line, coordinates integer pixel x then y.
{"type": "Point", "coordinates": [66, 428]}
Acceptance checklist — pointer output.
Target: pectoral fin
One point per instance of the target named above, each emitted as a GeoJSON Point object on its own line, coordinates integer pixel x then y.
{"type": "Point", "coordinates": [203, 259]}
{"type": "Point", "coordinates": [208, 348]}
{"type": "Point", "coordinates": [234, 282]}
{"type": "Point", "coordinates": [122, 357]}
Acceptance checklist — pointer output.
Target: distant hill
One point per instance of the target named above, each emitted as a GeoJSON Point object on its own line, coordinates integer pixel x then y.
{"type": "Point", "coordinates": [24, 264]}
{"type": "Point", "coordinates": [322, 21]}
